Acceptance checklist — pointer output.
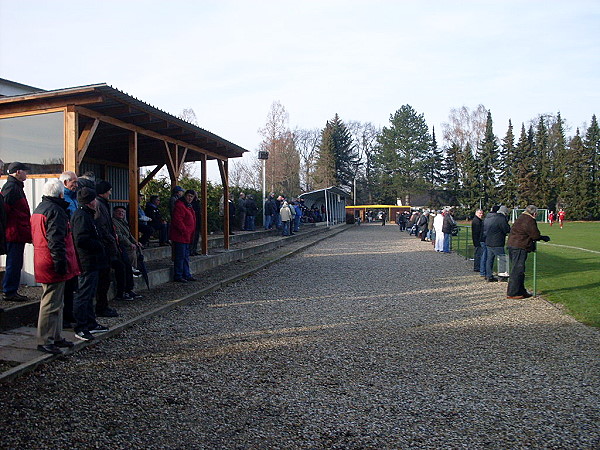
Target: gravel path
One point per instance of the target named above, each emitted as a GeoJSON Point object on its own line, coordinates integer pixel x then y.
{"type": "Point", "coordinates": [369, 339]}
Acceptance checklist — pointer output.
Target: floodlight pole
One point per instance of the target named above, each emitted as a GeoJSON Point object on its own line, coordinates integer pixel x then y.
{"type": "Point", "coordinates": [264, 155]}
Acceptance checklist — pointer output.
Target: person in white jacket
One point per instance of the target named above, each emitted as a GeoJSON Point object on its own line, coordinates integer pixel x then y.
{"type": "Point", "coordinates": [438, 223]}
{"type": "Point", "coordinates": [286, 217]}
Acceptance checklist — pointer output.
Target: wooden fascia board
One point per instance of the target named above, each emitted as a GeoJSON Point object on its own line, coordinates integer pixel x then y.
{"type": "Point", "coordinates": [140, 130]}
{"type": "Point", "coordinates": [41, 104]}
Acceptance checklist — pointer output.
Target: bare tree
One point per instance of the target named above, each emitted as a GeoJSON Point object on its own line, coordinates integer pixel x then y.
{"type": "Point", "coordinates": [307, 145]}
{"type": "Point", "coordinates": [365, 136]}
{"type": "Point", "coordinates": [465, 126]}
{"type": "Point", "coordinates": [283, 165]}
{"type": "Point", "coordinates": [246, 172]}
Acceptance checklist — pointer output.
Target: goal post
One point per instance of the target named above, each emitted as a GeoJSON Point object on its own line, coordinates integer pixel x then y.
{"type": "Point", "coordinates": [542, 215]}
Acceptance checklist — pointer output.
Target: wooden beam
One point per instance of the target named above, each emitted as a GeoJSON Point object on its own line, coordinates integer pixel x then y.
{"type": "Point", "coordinates": [71, 134]}
{"type": "Point", "coordinates": [149, 177]}
{"type": "Point", "coordinates": [182, 162]}
{"type": "Point", "coordinates": [140, 130]}
{"type": "Point", "coordinates": [85, 138]}
{"type": "Point", "coordinates": [134, 179]}
{"type": "Point", "coordinates": [204, 197]}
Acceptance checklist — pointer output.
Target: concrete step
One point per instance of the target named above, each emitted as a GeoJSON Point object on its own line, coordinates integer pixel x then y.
{"type": "Point", "coordinates": [161, 270]}
{"type": "Point", "coordinates": [153, 252]}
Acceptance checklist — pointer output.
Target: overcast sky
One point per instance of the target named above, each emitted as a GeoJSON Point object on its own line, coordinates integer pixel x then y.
{"type": "Point", "coordinates": [229, 60]}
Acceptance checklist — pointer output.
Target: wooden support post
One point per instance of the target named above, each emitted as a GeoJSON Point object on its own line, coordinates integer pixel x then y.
{"type": "Point", "coordinates": [134, 180]}
{"type": "Point", "coordinates": [204, 199]}
{"type": "Point", "coordinates": [171, 166]}
{"type": "Point", "coordinates": [71, 139]}
{"type": "Point", "coordinates": [223, 170]}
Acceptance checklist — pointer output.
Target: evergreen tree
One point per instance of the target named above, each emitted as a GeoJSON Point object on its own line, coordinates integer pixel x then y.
{"type": "Point", "coordinates": [525, 175]}
{"type": "Point", "coordinates": [324, 175]}
{"type": "Point", "coordinates": [508, 165]}
{"type": "Point", "coordinates": [433, 164]}
{"type": "Point", "coordinates": [557, 150]}
{"type": "Point", "coordinates": [575, 193]}
{"type": "Point", "coordinates": [488, 163]}
{"type": "Point", "coordinates": [542, 167]}
{"type": "Point", "coordinates": [451, 170]}
{"type": "Point", "coordinates": [404, 147]}
{"type": "Point", "coordinates": [337, 147]}
{"type": "Point", "coordinates": [471, 193]}
{"type": "Point", "coordinates": [591, 146]}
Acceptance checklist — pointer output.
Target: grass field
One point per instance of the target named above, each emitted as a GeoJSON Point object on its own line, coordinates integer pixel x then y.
{"type": "Point", "coordinates": [570, 276]}
{"type": "Point", "coordinates": [568, 268]}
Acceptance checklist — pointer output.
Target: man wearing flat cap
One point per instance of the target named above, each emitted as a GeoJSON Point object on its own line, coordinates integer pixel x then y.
{"type": "Point", "coordinates": [18, 229]}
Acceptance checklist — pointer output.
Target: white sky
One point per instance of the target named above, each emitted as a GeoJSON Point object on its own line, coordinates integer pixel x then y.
{"type": "Point", "coordinates": [229, 60]}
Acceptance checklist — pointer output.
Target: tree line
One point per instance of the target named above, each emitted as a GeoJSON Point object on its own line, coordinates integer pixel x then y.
{"type": "Point", "coordinates": [536, 163]}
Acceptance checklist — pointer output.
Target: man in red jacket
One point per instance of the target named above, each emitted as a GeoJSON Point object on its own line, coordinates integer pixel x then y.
{"type": "Point", "coordinates": [18, 229]}
{"type": "Point", "coordinates": [54, 261]}
{"type": "Point", "coordinates": [181, 233]}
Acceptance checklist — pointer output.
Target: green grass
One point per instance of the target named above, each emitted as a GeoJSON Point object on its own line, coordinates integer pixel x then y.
{"type": "Point", "coordinates": [568, 276]}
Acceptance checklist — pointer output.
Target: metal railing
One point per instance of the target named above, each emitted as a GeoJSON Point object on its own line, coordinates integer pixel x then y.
{"type": "Point", "coordinates": [463, 245]}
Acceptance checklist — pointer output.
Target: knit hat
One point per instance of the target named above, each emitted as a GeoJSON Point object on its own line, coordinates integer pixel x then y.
{"type": "Point", "coordinates": [85, 196]}
{"type": "Point", "coordinates": [102, 187]}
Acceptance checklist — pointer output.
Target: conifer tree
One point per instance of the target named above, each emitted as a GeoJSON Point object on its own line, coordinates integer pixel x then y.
{"type": "Point", "coordinates": [471, 192]}
{"type": "Point", "coordinates": [433, 164]}
{"type": "Point", "coordinates": [339, 153]}
{"type": "Point", "coordinates": [488, 163]}
{"type": "Point", "coordinates": [557, 149]}
{"type": "Point", "coordinates": [451, 170]}
{"type": "Point", "coordinates": [525, 175]}
{"type": "Point", "coordinates": [508, 165]}
{"type": "Point", "coordinates": [542, 166]}
{"type": "Point", "coordinates": [575, 193]}
{"type": "Point", "coordinates": [404, 147]}
{"type": "Point", "coordinates": [591, 146]}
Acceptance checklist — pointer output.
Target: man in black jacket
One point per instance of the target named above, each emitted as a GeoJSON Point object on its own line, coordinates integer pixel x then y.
{"type": "Point", "coordinates": [108, 238]}
{"type": "Point", "coordinates": [92, 259]}
{"type": "Point", "coordinates": [478, 242]}
{"type": "Point", "coordinates": [495, 229]}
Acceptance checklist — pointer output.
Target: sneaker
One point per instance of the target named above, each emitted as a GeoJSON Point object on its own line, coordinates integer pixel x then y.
{"type": "Point", "coordinates": [63, 343]}
{"type": "Point", "coordinates": [123, 298]}
{"type": "Point", "coordinates": [50, 348]}
{"type": "Point", "coordinates": [136, 273]}
{"type": "Point", "coordinates": [132, 295]}
{"type": "Point", "coordinates": [84, 335]}
{"type": "Point", "coordinates": [99, 329]}
{"type": "Point", "coordinates": [504, 274]}
{"type": "Point", "coordinates": [108, 312]}
{"type": "Point", "coordinates": [16, 297]}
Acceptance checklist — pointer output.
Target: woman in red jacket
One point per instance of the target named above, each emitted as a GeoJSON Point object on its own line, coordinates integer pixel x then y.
{"type": "Point", "coordinates": [181, 233]}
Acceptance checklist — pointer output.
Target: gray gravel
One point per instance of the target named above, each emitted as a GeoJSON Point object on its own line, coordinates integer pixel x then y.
{"type": "Point", "coordinates": [369, 340]}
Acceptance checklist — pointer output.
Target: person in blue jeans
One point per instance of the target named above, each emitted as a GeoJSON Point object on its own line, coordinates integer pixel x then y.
{"type": "Point", "coordinates": [495, 229]}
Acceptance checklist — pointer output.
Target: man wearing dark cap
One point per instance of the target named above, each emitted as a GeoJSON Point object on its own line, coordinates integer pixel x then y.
{"type": "Point", "coordinates": [108, 237]}
{"type": "Point", "coordinates": [92, 259]}
{"type": "Point", "coordinates": [18, 229]}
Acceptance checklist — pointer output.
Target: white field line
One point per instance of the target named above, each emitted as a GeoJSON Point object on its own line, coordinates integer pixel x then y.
{"type": "Point", "coordinates": [574, 248]}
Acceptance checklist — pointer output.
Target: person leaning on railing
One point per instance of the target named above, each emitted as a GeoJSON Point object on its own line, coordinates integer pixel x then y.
{"type": "Point", "coordinates": [521, 241]}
